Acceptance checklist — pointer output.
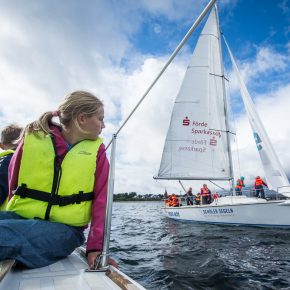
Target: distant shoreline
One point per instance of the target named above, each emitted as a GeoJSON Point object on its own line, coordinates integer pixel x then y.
{"type": "Point", "coordinates": [126, 200]}
{"type": "Point", "coordinates": [133, 196]}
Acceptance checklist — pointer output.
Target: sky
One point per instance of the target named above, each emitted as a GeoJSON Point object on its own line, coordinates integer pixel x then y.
{"type": "Point", "coordinates": [115, 49]}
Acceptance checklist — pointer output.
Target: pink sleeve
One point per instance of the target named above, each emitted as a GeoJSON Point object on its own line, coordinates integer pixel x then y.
{"type": "Point", "coordinates": [13, 170]}
{"type": "Point", "coordinates": [96, 233]}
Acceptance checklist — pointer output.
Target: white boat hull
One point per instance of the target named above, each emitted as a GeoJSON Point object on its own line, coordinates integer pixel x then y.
{"type": "Point", "coordinates": [235, 210]}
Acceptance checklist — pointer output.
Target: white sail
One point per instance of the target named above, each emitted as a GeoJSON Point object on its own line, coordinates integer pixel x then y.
{"type": "Point", "coordinates": [196, 145]}
{"type": "Point", "coordinates": [274, 173]}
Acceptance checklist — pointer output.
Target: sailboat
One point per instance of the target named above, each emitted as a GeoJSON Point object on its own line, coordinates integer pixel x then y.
{"type": "Point", "coordinates": [198, 147]}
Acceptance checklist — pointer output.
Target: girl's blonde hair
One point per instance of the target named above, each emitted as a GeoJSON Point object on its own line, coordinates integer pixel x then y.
{"type": "Point", "coordinates": [74, 104]}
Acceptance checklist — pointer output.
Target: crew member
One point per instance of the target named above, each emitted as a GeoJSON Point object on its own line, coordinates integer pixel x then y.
{"type": "Point", "coordinates": [189, 197]}
{"type": "Point", "coordinates": [174, 201]}
{"type": "Point", "coordinates": [168, 200]}
{"type": "Point", "coordinates": [240, 184]}
{"type": "Point", "coordinates": [205, 194]}
{"type": "Point", "coordinates": [215, 196]}
{"type": "Point", "coordinates": [8, 143]}
{"type": "Point", "coordinates": [258, 185]}
{"type": "Point", "coordinates": [197, 199]}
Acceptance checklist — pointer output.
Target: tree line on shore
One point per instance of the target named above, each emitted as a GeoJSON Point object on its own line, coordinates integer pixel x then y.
{"type": "Point", "coordinates": [133, 196]}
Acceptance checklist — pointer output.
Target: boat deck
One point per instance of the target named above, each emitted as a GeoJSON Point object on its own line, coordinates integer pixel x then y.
{"type": "Point", "coordinates": [67, 274]}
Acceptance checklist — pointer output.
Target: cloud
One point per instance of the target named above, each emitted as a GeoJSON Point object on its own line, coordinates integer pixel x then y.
{"type": "Point", "coordinates": [265, 63]}
{"type": "Point", "coordinates": [174, 9]}
{"type": "Point", "coordinates": [52, 48]}
{"type": "Point", "coordinates": [284, 6]}
{"type": "Point", "coordinates": [141, 141]}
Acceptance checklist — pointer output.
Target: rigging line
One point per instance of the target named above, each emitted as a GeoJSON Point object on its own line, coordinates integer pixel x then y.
{"type": "Point", "coordinates": [182, 186]}
{"type": "Point", "coordinates": [218, 186]}
{"type": "Point", "coordinates": [177, 49]}
{"type": "Point", "coordinates": [235, 128]}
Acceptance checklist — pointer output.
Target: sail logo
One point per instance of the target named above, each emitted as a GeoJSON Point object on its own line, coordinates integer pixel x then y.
{"type": "Point", "coordinates": [201, 128]}
{"type": "Point", "coordinates": [186, 121]}
{"type": "Point", "coordinates": [258, 141]}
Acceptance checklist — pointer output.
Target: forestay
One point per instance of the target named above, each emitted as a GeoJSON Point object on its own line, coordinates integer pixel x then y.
{"type": "Point", "coordinates": [274, 173]}
{"type": "Point", "coordinates": [196, 143]}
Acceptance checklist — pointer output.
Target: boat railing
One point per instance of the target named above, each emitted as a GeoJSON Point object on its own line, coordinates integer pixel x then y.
{"type": "Point", "coordinates": [251, 192]}
{"type": "Point", "coordinates": [284, 189]}
{"type": "Point", "coordinates": [268, 193]}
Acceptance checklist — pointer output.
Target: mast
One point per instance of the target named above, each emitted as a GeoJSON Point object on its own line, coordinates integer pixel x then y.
{"type": "Point", "coordinates": [225, 107]}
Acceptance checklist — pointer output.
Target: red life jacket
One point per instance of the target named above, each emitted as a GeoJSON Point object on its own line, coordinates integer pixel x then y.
{"type": "Point", "coordinates": [240, 184]}
{"type": "Point", "coordinates": [204, 191]}
{"type": "Point", "coordinates": [259, 181]}
{"type": "Point", "coordinates": [174, 201]}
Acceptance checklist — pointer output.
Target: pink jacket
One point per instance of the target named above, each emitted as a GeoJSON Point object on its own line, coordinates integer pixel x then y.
{"type": "Point", "coordinates": [96, 233]}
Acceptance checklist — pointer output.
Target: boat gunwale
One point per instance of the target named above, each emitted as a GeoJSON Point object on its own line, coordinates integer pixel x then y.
{"type": "Point", "coordinates": [223, 205]}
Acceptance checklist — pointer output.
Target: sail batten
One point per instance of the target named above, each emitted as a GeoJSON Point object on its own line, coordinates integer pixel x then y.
{"type": "Point", "coordinates": [196, 143]}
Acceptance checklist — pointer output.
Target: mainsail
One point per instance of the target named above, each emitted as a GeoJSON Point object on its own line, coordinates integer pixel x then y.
{"type": "Point", "coordinates": [196, 145]}
{"type": "Point", "coordinates": [274, 173]}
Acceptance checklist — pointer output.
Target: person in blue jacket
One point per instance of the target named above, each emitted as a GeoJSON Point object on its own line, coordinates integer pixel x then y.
{"type": "Point", "coordinates": [8, 143]}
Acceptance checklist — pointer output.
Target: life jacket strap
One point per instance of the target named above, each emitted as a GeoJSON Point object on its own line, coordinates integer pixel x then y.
{"type": "Point", "coordinates": [23, 191]}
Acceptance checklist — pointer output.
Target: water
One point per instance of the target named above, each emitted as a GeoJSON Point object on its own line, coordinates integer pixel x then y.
{"type": "Point", "coordinates": [161, 253]}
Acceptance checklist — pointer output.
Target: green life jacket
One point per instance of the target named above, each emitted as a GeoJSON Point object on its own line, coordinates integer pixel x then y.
{"type": "Point", "coordinates": [58, 193]}
{"type": "Point", "coordinates": [6, 152]}
{"type": "Point", "coordinates": [3, 154]}
{"type": "Point", "coordinates": [3, 205]}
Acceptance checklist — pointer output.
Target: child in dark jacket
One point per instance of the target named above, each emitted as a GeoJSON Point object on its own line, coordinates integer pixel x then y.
{"type": "Point", "coordinates": [8, 143]}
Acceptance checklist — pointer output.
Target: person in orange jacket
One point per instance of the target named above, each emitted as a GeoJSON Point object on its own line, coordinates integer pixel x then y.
{"type": "Point", "coordinates": [174, 201]}
{"type": "Point", "coordinates": [258, 185]}
{"type": "Point", "coordinates": [205, 194]}
{"type": "Point", "coordinates": [240, 184]}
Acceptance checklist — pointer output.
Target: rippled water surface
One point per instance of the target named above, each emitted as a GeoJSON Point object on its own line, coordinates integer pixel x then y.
{"type": "Point", "coordinates": [161, 253]}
